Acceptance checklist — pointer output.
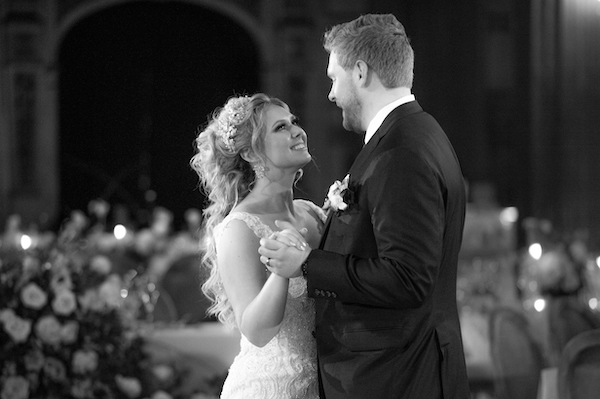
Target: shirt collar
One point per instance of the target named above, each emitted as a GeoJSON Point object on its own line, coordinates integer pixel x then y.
{"type": "Point", "coordinates": [383, 113]}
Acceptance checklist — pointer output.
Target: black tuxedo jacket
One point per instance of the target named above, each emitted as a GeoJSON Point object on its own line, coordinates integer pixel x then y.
{"type": "Point", "coordinates": [384, 277]}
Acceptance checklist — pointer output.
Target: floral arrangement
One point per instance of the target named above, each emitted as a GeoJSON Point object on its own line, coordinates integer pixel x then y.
{"type": "Point", "coordinates": [339, 196]}
{"type": "Point", "coordinates": [67, 328]}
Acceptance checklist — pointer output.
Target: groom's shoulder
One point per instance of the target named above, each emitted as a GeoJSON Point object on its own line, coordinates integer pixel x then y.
{"type": "Point", "coordinates": [408, 116]}
{"type": "Point", "coordinates": [409, 108]}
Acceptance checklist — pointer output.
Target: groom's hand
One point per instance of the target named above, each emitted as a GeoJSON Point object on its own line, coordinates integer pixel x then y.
{"type": "Point", "coordinates": [289, 235]}
{"type": "Point", "coordinates": [284, 251]}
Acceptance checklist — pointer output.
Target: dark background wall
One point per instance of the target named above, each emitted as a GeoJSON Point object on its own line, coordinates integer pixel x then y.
{"type": "Point", "coordinates": [471, 73]}
{"type": "Point", "coordinates": [137, 81]}
{"type": "Point", "coordinates": [514, 84]}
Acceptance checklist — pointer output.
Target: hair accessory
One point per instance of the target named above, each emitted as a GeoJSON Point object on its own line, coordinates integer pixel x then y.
{"type": "Point", "coordinates": [232, 115]}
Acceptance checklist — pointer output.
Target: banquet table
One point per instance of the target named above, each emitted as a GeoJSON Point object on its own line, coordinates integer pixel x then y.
{"type": "Point", "coordinates": [200, 353]}
{"type": "Point", "coordinates": [212, 342]}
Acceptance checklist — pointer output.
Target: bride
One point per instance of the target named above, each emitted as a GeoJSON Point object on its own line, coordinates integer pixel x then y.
{"type": "Point", "coordinates": [248, 158]}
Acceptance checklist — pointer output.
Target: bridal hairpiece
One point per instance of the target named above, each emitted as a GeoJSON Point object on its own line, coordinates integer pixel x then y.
{"type": "Point", "coordinates": [232, 115]}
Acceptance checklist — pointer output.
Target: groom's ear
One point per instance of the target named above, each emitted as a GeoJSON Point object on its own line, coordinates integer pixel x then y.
{"type": "Point", "coordinates": [362, 73]}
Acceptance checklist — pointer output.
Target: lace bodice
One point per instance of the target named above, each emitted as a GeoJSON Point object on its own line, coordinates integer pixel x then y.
{"type": "Point", "coordinates": [286, 367]}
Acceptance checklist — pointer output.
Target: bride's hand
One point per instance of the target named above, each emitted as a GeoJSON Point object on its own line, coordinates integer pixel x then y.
{"type": "Point", "coordinates": [289, 235]}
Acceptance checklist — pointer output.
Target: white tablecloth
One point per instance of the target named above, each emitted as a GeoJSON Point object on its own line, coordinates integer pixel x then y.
{"type": "Point", "coordinates": [211, 342]}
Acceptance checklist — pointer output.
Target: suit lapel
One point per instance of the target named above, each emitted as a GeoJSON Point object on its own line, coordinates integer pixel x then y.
{"type": "Point", "coordinates": [356, 168]}
{"type": "Point", "coordinates": [364, 156]}
{"type": "Point", "coordinates": [398, 113]}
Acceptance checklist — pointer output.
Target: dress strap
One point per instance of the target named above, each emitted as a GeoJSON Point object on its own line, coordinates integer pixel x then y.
{"type": "Point", "coordinates": [252, 221]}
{"type": "Point", "coordinates": [258, 227]}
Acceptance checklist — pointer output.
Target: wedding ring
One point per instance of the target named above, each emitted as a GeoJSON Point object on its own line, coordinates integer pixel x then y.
{"type": "Point", "coordinates": [268, 263]}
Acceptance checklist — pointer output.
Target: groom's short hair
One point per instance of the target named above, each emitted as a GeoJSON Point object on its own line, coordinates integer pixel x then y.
{"type": "Point", "coordinates": [377, 39]}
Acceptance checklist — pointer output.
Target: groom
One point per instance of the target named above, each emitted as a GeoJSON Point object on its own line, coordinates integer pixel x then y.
{"type": "Point", "coordinates": [384, 275]}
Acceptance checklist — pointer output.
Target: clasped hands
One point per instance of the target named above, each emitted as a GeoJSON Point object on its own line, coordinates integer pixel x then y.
{"type": "Point", "coordinates": [283, 252]}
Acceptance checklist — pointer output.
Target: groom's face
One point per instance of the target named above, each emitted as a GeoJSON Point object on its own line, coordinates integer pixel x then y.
{"type": "Point", "coordinates": [343, 93]}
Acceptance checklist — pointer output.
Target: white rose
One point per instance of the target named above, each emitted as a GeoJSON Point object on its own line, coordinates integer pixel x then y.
{"type": "Point", "coordinates": [34, 360]}
{"type": "Point", "coordinates": [33, 296]}
{"type": "Point", "coordinates": [161, 395]}
{"type": "Point", "coordinates": [129, 386]}
{"type": "Point", "coordinates": [91, 300]}
{"type": "Point", "coordinates": [85, 360]}
{"type": "Point", "coordinates": [48, 330]}
{"type": "Point", "coordinates": [61, 280]}
{"type": "Point", "coordinates": [101, 264]}
{"type": "Point", "coordinates": [69, 332]}
{"type": "Point", "coordinates": [18, 328]}
{"type": "Point", "coordinates": [110, 291]}
{"type": "Point", "coordinates": [335, 195]}
{"type": "Point", "coordinates": [163, 372]}
{"type": "Point", "coordinates": [64, 303]}
{"type": "Point", "coordinates": [15, 387]}
{"type": "Point", "coordinates": [82, 388]}
{"type": "Point", "coordinates": [145, 242]}
{"type": "Point", "coordinates": [55, 369]}
{"type": "Point", "coordinates": [7, 315]}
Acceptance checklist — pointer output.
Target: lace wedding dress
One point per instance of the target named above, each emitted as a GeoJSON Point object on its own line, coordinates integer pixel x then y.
{"type": "Point", "coordinates": [286, 367]}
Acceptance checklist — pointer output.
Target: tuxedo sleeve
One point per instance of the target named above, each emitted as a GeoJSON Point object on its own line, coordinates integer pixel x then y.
{"type": "Point", "coordinates": [404, 196]}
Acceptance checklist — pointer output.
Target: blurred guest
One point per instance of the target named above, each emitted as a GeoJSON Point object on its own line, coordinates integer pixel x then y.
{"type": "Point", "coordinates": [560, 276]}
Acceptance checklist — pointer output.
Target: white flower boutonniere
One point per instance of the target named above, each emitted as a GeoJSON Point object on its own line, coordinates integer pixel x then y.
{"type": "Point", "coordinates": [336, 197]}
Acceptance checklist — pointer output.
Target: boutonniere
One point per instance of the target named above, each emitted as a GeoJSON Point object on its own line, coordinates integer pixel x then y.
{"type": "Point", "coordinates": [340, 196]}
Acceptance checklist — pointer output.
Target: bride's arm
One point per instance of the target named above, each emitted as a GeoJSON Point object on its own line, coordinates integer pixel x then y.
{"type": "Point", "coordinates": [258, 302]}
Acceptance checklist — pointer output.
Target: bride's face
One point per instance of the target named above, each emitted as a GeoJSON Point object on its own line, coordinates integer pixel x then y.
{"type": "Point", "coordinates": [286, 145]}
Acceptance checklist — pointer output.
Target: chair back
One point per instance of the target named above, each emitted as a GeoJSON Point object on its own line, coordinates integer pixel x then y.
{"type": "Point", "coordinates": [568, 316]}
{"type": "Point", "coordinates": [579, 367]}
{"type": "Point", "coordinates": [182, 282]}
{"type": "Point", "coordinates": [164, 309]}
{"type": "Point", "coordinates": [516, 357]}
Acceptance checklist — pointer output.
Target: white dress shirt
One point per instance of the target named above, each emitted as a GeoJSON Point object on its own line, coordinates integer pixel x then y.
{"type": "Point", "coordinates": [383, 113]}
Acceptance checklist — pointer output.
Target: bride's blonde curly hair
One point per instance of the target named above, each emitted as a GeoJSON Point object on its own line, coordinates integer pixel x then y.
{"type": "Point", "coordinates": [238, 128]}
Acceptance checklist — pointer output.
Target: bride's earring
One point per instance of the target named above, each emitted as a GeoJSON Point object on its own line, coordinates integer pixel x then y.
{"type": "Point", "coordinates": [259, 170]}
